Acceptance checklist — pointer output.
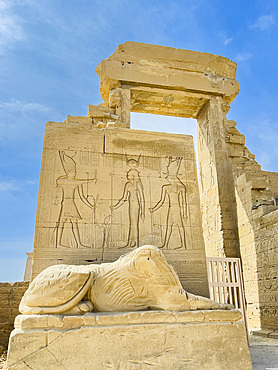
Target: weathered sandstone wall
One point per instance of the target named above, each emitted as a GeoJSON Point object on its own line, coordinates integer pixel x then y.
{"type": "Point", "coordinates": [10, 296]}
{"type": "Point", "coordinates": [257, 213]}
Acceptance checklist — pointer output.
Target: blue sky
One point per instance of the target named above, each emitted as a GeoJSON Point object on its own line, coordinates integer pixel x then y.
{"type": "Point", "coordinates": [48, 53]}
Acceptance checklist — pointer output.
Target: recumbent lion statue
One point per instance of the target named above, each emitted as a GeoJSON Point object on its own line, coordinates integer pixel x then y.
{"type": "Point", "coordinates": [140, 280]}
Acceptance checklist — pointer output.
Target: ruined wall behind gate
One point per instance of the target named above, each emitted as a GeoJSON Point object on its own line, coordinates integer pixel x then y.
{"type": "Point", "coordinates": [256, 198]}
{"type": "Point", "coordinates": [104, 192]}
{"type": "Point", "coordinates": [253, 208]}
{"type": "Point", "coordinates": [267, 269]}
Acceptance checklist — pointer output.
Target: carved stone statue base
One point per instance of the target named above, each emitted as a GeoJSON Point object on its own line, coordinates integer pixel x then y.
{"type": "Point", "coordinates": [213, 339]}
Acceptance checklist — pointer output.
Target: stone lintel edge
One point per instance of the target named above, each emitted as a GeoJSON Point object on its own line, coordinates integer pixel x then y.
{"type": "Point", "coordinates": [47, 322]}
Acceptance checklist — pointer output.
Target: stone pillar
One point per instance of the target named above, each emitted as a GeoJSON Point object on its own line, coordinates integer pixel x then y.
{"type": "Point", "coordinates": [28, 267]}
{"type": "Point", "coordinates": [120, 100]}
{"type": "Point", "coordinates": [125, 111]}
{"type": "Point", "coordinates": [217, 194]}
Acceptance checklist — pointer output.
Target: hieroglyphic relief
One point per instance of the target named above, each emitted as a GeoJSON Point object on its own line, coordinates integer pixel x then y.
{"type": "Point", "coordinates": [174, 192]}
{"type": "Point", "coordinates": [201, 176]}
{"type": "Point", "coordinates": [108, 191]}
{"type": "Point", "coordinates": [133, 193]}
{"type": "Point", "coordinates": [71, 187]}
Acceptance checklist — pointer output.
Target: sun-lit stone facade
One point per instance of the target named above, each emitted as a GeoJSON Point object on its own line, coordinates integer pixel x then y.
{"type": "Point", "coordinates": [106, 189]}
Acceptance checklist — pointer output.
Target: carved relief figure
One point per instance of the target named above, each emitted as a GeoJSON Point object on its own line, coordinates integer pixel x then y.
{"type": "Point", "coordinates": [71, 189]}
{"type": "Point", "coordinates": [133, 193]}
{"type": "Point", "coordinates": [175, 194]}
{"type": "Point", "coordinates": [139, 280]}
{"type": "Point", "coordinates": [201, 177]}
{"type": "Point", "coordinates": [211, 167]}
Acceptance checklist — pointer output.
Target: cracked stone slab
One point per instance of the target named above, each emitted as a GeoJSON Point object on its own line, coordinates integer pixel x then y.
{"type": "Point", "coordinates": [133, 340]}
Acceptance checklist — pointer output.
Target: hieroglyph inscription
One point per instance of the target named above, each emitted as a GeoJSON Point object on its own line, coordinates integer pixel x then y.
{"type": "Point", "coordinates": [104, 192]}
{"type": "Point", "coordinates": [126, 225]}
{"type": "Point", "coordinates": [108, 190]}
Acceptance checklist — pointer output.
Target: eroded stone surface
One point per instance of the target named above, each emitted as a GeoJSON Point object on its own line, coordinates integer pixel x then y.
{"type": "Point", "coordinates": [104, 192]}
{"type": "Point", "coordinates": [25, 322]}
{"type": "Point", "coordinates": [186, 79]}
{"type": "Point", "coordinates": [139, 280]}
{"type": "Point", "coordinates": [238, 199]}
{"type": "Point", "coordinates": [10, 297]}
{"type": "Point", "coordinates": [167, 340]}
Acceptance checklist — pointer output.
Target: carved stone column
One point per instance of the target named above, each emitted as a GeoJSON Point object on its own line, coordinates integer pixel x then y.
{"type": "Point", "coordinates": [125, 111]}
{"type": "Point", "coordinates": [120, 100]}
{"type": "Point", "coordinates": [217, 194]}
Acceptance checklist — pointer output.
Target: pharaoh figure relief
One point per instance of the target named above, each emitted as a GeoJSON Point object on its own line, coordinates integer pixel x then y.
{"type": "Point", "coordinates": [72, 188]}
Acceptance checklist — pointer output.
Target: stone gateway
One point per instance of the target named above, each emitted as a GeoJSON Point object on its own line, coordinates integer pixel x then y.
{"type": "Point", "coordinates": [117, 208]}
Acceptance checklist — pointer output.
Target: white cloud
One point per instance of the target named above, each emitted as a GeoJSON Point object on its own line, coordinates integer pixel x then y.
{"type": "Point", "coordinates": [8, 186]}
{"type": "Point", "coordinates": [263, 23]}
{"type": "Point", "coordinates": [3, 5]}
{"type": "Point", "coordinates": [242, 57]}
{"type": "Point", "coordinates": [7, 189]}
{"type": "Point", "coordinates": [21, 120]}
{"type": "Point", "coordinates": [23, 107]}
{"type": "Point", "coordinates": [224, 38]}
{"type": "Point", "coordinates": [31, 182]}
{"type": "Point", "coordinates": [10, 28]}
{"type": "Point", "coordinates": [228, 41]}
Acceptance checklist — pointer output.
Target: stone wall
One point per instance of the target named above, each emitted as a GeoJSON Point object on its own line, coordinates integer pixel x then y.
{"type": "Point", "coordinates": [248, 251]}
{"type": "Point", "coordinates": [266, 242]}
{"type": "Point", "coordinates": [217, 193]}
{"type": "Point", "coordinates": [105, 191]}
{"type": "Point", "coordinates": [10, 296]}
{"type": "Point", "coordinates": [257, 213]}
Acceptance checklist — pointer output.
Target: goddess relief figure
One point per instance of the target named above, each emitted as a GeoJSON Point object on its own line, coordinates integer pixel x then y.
{"type": "Point", "coordinates": [133, 193]}
{"type": "Point", "coordinates": [71, 187]}
{"type": "Point", "coordinates": [175, 194]}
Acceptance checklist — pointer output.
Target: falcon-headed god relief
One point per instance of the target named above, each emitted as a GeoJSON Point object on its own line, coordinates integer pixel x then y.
{"type": "Point", "coordinates": [71, 189]}
{"type": "Point", "coordinates": [174, 192]}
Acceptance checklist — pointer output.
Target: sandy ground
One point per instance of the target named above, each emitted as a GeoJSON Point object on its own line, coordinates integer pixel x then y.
{"type": "Point", "coordinates": [264, 354]}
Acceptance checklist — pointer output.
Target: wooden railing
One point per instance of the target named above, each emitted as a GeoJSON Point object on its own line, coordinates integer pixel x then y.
{"type": "Point", "coordinates": [225, 282]}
